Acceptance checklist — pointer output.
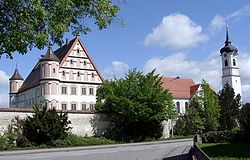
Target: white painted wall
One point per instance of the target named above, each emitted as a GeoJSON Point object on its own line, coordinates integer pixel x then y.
{"type": "Point", "coordinates": [182, 103]}
{"type": "Point", "coordinates": [84, 124]}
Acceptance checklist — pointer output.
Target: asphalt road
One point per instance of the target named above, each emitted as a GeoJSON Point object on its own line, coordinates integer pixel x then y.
{"type": "Point", "coordinates": [139, 151]}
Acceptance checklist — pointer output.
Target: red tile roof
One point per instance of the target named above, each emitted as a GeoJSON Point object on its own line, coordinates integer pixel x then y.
{"type": "Point", "coordinates": [179, 87]}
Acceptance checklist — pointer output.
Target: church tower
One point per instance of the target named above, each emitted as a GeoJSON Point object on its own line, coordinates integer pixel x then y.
{"type": "Point", "coordinates": [230, 68]}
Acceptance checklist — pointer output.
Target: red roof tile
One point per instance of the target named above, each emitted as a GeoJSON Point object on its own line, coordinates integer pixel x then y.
{"type": "Point", "coordinates": [179, 87]}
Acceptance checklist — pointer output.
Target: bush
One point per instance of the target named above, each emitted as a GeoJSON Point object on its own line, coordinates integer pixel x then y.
{"type": "Point", "coordinates": [74, 140]}
{"type": "Point", "coordinates": [45, 126]}
{"type": "Point", "coordinates": [7, 141]}
{"type": "Point", "coordinates": [220, 136]}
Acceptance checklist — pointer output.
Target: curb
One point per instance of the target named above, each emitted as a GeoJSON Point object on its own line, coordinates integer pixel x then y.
{"type": "Point", "coordinates": [34, 151]}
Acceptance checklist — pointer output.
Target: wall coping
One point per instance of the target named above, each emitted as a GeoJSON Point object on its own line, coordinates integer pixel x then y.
{"type": "Point", "coordinates": [30, 110]}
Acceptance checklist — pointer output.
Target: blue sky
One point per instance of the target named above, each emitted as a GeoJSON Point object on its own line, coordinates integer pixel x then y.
{"type": "Point", "coordinates": [177, 37]}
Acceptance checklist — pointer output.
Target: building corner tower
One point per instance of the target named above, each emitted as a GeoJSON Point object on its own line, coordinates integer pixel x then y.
{"type": "Point", "coordinates": [16, 81]}
{"type": "Point", "coordinates": [230, 68]}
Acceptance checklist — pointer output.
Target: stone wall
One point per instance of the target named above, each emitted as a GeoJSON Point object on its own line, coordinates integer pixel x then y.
{"type": "Point", "coordinates": [85, 122]}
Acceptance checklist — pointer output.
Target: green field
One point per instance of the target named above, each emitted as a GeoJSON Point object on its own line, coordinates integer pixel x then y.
{"type": "Point", "coordinates": [227, 151]}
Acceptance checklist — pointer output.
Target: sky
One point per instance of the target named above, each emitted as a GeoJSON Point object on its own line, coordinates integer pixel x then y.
{"type": "Point", "coordinates": [175, 37]}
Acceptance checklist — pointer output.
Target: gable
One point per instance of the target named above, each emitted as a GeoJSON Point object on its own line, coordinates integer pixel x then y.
{"type": "Point", "coordinates": [77, 59]}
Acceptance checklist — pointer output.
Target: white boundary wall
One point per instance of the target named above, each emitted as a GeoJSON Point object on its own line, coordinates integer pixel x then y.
{"type": "Point", "coordinates": [84, 123]}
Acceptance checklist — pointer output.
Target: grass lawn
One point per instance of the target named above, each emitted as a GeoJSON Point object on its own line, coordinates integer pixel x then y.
{"type": "Point", "coordinates": [227, 151]}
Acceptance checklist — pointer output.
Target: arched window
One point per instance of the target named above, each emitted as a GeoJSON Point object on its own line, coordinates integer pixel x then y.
{"type": "Point", "coordinates": [84, 63]}
{"type": "Point", "coordinates": [78, 50]}
{"type": "Point", "coordinates": [63, 73]}
{"type": "Point", "coordinates": [178, 107]}
{"type": "Point", "coordinates": [226, 63]}
{"type": "Point", "coordinates": [234, 62]}
{"type": "Point", "coordinates": [186, 104]}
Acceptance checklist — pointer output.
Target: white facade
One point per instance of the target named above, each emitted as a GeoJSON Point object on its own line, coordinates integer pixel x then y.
{"type": "Point", "coordinates": [181, 105]}
{"type": "Point", "coordinates": [66, 84]}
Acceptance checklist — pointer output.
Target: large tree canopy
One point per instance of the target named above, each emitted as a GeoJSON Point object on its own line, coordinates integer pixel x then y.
{"type": "Point", "coordinates": [136, 104]}
{"type": "Point", "coordinates": [35, 23]}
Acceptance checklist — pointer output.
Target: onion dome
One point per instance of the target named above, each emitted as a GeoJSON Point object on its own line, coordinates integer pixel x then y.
{"type": "Point", "coordinates": [228, 46]}
{"type": "Point", "coordinates": [16, 76]}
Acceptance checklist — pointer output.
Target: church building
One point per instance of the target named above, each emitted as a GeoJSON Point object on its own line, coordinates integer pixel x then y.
{"type": "Point", "coordinates": [66, 79]}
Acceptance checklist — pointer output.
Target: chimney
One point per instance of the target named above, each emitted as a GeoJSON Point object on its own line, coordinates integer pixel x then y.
{"type": "Point", "coordinates": [67, 41]}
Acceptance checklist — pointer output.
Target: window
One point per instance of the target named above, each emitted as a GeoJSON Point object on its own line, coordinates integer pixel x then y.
{"type": "Point", "coordinates": [78, 50]}
{"type": "Point", "coordinates": [73, 106]}
{"type": "Point", "coordinates": [186, 104]}
{"type": "Point", "coordinates": [226, 63]}
{"type": "Point", "coordinates": [71, 61]}
{"type": "Point", "coordinates": [64, 106]}
{"type": "Point", "coordinates": [84, 91]}
{"type": "Point", "coordinates": [91, 91]}
{"type": "Point", "coordinates": [92, 75]}
{"type": "Point", "coordinates": [234, 62]}
{"type": "Point", "coordinates": [63, 73]}
{"type": "Point", "coordinates": [54, 70]}
{"type": "Point", "coordinates": [78, 74]}
{"type": "Point", "coordinates": [73, 90]}
{"type": "Point", "coordinates": [92, 106]}
{"type": "Point", "coordinates": [64, 90]}
{"type": "Point", "coordinates": [84, 63]}
{"type": "Point", "coordinates": [84, 106]}
{"type": "Point", "coordinates": [178, 107]}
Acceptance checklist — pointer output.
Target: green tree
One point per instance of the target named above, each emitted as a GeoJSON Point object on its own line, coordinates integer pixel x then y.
{"type": "Point", "coordinates": [230, 105]}
{"type": "Point", "coordinates": [211, 107]}
{"type": "Point", "coordinates": [136, 104]}
{"type": "Point", "coordinates": [191, 123]}
{"type": "Point", "coordinates": [31, 23]}
{"type": "Point", "coordinates": [45, 126]}
{"type": "Point", "coordinates": [244, 119]}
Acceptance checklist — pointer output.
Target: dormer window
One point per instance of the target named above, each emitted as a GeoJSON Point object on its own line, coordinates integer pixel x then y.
{"type": "Point", "coordinates": [226, 63]}
{"type": "Point", "coordinates": [78, 50]}
{"type": "Point", "coordinates": [234, 62]}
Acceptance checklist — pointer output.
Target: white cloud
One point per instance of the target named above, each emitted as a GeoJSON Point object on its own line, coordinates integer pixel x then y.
{"type": "Point", "coordinates": [4, 78]}
{"type": "Point", "coordinates": [176, 31]}
{"type": "Point", "coordinates": [209, 69]}
{"type": "Point", "coordinates": [116, 70]}
{"type": "Point", "coordinates": [237, 15]}
{"type": "Point", "coordinates": [179, 65]}
{"type": "Point", "coordinates": [4, 83]}
{"type": "Point", "coordinates": [218, 22]}
{"type": "Point", "coordinates": [4, 100]}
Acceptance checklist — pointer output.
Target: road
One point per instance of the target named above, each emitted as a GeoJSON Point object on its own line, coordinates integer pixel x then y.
{"type": "Point", "coordinates": [138, 151]}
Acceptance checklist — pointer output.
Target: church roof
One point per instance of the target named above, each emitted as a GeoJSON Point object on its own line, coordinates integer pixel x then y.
{"type": "Point", "coordinates": [59, 55]}
{"type": "Point", "coordinates": [228, 46]}
{"type": "Point", "coordinates": [16, 75]}
{"type": "Point", "coordinates": [179, 87]}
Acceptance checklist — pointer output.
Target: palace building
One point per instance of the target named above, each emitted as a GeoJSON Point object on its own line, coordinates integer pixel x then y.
{"type": "Point", "coordinates": [66, 79]}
